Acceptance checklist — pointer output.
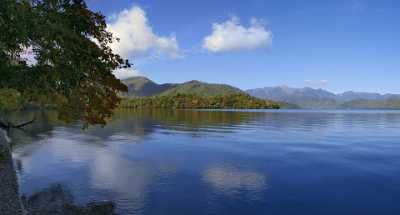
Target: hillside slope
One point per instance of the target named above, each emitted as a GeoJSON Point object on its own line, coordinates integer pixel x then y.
{"type": "Point", "coordinates": [143, 87]}
{"type": "Point", "coordinates": [202, 89]}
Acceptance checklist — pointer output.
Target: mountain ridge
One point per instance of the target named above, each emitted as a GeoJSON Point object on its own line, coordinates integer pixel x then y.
{"type": "Point", "coordinates": [143, 87]}
{"type": "Point", "coordinates": [319, 98]}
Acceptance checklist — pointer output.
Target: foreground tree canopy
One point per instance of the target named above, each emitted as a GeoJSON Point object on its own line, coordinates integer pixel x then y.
{"type": "Point", "coordinates": [69, 62]}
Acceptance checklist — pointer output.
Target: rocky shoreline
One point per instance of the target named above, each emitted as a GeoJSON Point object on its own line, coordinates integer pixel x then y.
{"type": "Point", "coordinates": [10, 201]}
{"type": "Point", "coordinates": [54, 200]}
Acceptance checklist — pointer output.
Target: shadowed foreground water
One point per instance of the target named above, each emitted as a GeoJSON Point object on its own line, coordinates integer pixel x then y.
{"type": "Point", "coordinates": [221, 162]}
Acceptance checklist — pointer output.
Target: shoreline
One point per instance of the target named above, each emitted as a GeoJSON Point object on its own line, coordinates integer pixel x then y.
{"type": "Point", "coordinates": [10, 200]}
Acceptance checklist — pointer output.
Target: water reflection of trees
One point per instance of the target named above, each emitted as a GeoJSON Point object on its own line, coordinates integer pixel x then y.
{"type": "Point", "coordinates": [45, 122]}
{"type": "Point", "coordinates": [191, 118]}
{"type": "Point", "coordinates": [184, 120]}
{"type": "Point", "coordinates": [58, 200]}
{"type": "Point", "coordinates": [140, 123]}
{"type": "Point", "coordinates": [134, 122]}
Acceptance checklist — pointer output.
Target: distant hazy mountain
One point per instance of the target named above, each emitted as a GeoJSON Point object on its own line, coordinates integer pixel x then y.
{"type": "Point", "coordinates": [319, 98]}
{"type": "Point", "coordinates": [303, 97]}
{"type": "Point", "coordinates": [391, 103]}
{"type": "Point", "coordinates": [141, 86]}
{"type": "Point", "coordinates": [350, 95]}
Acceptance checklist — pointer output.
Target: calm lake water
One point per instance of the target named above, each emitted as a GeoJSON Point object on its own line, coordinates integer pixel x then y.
{"type": "Point", "coordinates": [221, 162]}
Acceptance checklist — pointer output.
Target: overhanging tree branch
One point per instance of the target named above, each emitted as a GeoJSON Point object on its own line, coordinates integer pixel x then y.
{"type": "Point", "coordinates": [8, 125]}
{"type": "Point", "coordinates": [24, 124]}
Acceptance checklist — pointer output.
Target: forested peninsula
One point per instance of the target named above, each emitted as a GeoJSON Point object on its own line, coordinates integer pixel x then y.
{"type": "Point", "coordinates": [188, 101]}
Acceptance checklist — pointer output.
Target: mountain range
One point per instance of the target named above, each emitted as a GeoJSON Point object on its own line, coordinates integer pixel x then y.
{"type": "Point", "coordinates": [318, 98]}
{"type": "Point", "coordinates": [290, 97]}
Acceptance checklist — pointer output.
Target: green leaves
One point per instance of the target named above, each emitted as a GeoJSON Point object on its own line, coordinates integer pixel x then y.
{"type": "Point", "coordinates": [72, 71]}
{"type": "Point", "coordinates": [10, 99]}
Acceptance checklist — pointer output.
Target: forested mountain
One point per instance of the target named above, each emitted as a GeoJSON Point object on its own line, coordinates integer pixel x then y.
{"type": "Point", "coordinates": [141, 87]}
{"type": "Point", "coordinates": [202, 89]}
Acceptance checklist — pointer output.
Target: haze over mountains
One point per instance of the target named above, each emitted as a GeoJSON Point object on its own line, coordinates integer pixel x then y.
{"type": "Point", "coordinates": [300, 97]}
{"type": "Point", "coordinates": [319, 98]}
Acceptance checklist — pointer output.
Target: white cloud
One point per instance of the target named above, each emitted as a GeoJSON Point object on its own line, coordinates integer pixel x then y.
{"type": "Point", "coordinates": [125, 73]}
{"type": "Point", "coordinates": [232, 36]}
{"type": "Point", "coordinates": [137, 36]}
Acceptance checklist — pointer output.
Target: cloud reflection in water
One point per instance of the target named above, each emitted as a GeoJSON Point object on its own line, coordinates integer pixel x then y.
{"type": "Point", "coordinates": [229, 180]}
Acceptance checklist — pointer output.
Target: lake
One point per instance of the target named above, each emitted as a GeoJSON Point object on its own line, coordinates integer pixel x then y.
{"type": "Point", "coordinates": [220, 162]}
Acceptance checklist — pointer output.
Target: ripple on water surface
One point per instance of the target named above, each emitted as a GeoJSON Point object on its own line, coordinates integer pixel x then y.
{"type": "Point", "coordinates": [221, 162]}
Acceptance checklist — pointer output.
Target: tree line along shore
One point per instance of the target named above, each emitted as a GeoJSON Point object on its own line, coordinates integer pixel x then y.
{"type": "Point", "coordinates": [187, 101]}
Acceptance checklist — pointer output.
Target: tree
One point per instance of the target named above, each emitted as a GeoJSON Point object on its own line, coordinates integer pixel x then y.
{"type": "Point", "coordinates": [70, 65]}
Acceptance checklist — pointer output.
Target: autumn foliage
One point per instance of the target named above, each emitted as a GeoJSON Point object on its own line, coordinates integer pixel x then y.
{"type": "Point", "coordinates": [184, 101]}
{"type": "Point", "coordinates": [69, 61]}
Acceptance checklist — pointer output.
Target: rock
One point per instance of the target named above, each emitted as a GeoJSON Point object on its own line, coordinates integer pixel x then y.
{"type": "Point", "coordinates": [58, 201]}
{"type": "Point", "coordinates": [10, 202]}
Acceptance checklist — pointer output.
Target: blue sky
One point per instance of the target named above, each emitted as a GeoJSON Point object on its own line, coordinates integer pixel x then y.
{"type": "Point", "coordinates": [337, 45]}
